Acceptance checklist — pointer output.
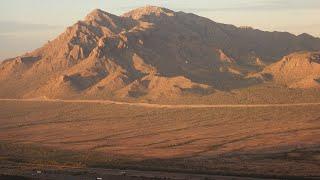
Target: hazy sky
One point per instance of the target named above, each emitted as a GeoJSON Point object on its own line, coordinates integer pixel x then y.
{"type": "Point", "coordinates": [27, 24]}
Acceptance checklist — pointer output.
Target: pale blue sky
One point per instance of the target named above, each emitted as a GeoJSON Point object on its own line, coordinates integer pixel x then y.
{"type": "Point", "coordinates": [27, 24]}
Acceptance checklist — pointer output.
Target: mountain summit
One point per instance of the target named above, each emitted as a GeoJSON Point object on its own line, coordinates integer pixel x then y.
{"type": "Point", "coordinates": [149, 11]}
{"type": "Point", "coordinates": [150, 52]}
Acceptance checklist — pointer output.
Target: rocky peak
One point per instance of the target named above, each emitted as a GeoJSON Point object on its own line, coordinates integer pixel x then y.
{"type": "Point", "coordinates": [98, 14]}
{"type": "Point", "coordinates": [305, 36]}
{"type": "Point", "coordinates": [149, 11]}
{"type": "Point", "coordinates": [101, 19]}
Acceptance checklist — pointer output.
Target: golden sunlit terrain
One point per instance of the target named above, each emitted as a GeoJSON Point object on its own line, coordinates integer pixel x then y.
{"type": "Point", "coordinates": [269, 141]}
{"type": "Point", "coordinates": [156, 93]}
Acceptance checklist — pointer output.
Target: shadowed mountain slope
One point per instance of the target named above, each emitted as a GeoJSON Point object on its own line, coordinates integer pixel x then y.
{"type": "Point", "coordinates": [148, 52]}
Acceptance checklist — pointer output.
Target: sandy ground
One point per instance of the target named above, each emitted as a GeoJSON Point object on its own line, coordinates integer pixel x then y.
{"type": "Point", "coordinates": [110, 174]}
{"type": "Point", "coordinates": [150, 105]}
{"type": "Point", "coordinates": [274, 140]}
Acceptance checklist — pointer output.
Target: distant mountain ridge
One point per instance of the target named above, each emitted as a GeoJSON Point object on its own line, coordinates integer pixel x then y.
{"type": "Point", "coordinates": [149, 52]}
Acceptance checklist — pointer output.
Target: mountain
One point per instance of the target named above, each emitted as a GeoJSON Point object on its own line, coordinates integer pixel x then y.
{"type": "Point", "coordinates": [297, 70]}
{"type": "Point", "coordinates": [150, 52]}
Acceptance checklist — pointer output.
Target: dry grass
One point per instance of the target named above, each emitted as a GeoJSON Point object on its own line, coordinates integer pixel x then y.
{"type": "Point", "coordinates": [269, 141]}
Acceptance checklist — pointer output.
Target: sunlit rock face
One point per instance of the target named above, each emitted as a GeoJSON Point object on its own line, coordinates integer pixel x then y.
{"type": "Point", "coordinates": [153, 52]}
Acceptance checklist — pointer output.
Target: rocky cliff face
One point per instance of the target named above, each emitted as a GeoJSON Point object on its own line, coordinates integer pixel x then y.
{"type": "Point", "coordinates": [297, 70]}
{"type": "Point", "coordinates": [148, 52]}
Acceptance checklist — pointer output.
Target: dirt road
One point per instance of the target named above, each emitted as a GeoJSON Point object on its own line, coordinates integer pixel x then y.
{"type": "Point", "coordinates": [179, 106]}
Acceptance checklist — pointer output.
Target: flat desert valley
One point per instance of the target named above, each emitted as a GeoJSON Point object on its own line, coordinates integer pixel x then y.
{"type": "Point", "coordinates": [241, 141]}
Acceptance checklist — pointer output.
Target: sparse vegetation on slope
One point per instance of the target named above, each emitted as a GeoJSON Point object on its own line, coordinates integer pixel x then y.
{"type": "Point", "coordinates": [207, 140]}
{"type": "Point", "coordinates": [148, 53]}
{"type": "Point", "coordinates": [297, 70]}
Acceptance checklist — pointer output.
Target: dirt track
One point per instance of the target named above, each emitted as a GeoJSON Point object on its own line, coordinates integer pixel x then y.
{"type": "Point", "coordinates": [165, 105]}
